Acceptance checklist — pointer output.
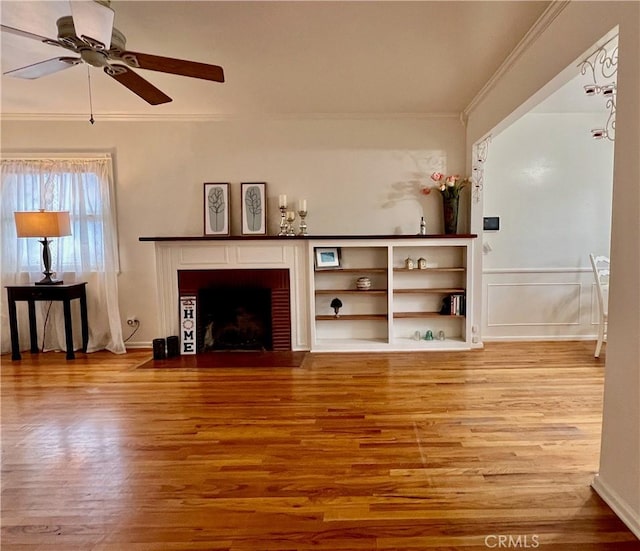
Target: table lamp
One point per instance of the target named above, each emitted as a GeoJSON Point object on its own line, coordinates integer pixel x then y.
{"type": "Point", "coordinates": [43, 224]}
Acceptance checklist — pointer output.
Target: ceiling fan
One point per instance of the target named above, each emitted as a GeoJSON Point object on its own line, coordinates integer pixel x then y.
{"type": "Point", "coordinates": [89, 32]}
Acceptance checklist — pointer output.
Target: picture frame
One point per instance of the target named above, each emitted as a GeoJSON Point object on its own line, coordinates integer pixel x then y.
{"type": "Point", "coordinates": [253, 208]}
{"type": "Point", "coordinates": [216, 209]}
{"type": "Point", "coordinates": [327, 258]}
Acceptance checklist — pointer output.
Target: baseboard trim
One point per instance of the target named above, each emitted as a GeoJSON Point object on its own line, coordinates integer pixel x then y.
{"type": "Point", "coordinates": [142, 344]}
{"type": "Point", "coordinates": [478, 345]}
{"type": "Point", "coordinates": [617, 505]}
{"type": "Point", "coordinates": [525, 338]}
{"type": "Point", "coordinates": [138, 344]}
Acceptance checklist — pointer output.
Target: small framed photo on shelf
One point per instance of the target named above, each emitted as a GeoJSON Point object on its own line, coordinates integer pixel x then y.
{"type": "Point", "coordinates": [216, 209]}
{"type": "Point", "coordinates": [327, 258]}
{"type": "Point", "coordinates": [253, 201]}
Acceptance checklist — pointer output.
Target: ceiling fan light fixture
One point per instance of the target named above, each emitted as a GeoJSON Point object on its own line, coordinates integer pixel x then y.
{"type": "Point", "coordinates": [96, 58]}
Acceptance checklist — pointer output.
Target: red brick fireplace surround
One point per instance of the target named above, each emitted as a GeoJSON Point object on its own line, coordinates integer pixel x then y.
{"type": "Point", "coordinates": [276, 280]}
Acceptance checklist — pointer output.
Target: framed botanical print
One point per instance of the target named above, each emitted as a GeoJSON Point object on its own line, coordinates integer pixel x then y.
{"type": "Point", "coordinates": [254, 208]}
{"type": "Point", "coordinates": [216, 209]}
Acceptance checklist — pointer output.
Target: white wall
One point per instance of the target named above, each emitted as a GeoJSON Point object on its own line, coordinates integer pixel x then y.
{"type": "Point", "coordinates": [578, 26]}
{"type": "Point", "coordinates": [551, 185]}
{"type": "Point", "coordinates": [358, 176]}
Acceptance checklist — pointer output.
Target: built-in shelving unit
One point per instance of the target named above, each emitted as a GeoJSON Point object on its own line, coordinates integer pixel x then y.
{"type": "Point", "coordinates": [362, 321]}
{"type": "Point", "coordinates": [403, 305]}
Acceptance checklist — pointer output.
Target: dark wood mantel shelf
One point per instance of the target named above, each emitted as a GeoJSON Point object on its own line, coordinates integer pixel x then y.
{"type": "Point", "coordinates": [304, 238]}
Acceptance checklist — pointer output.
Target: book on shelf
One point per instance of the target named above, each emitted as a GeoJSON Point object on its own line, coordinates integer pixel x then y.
{"type": "Point", "coordinates": [454, 305]}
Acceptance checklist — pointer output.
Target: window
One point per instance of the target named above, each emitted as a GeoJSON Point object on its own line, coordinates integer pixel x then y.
{"type": "Point", "coordinates": [77, 186]}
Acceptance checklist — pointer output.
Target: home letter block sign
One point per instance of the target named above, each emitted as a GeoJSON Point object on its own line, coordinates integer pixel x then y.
{"type": "Point", "coordinates": [188, 324]}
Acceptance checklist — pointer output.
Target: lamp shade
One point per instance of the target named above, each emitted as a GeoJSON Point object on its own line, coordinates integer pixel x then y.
{"type": "Point", "coordinates": [42, 224]}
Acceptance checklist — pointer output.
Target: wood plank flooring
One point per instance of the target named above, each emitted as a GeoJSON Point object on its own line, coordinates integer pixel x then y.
{"type": "Point", "coordinates": [417, 451]}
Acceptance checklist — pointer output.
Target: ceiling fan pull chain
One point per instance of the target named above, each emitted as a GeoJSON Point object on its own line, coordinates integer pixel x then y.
{"type": "Point", "coordinates": [91, 119]}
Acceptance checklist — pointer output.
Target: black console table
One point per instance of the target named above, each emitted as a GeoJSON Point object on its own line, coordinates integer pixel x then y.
{"type": "Point", "coordinates": [32, 293]}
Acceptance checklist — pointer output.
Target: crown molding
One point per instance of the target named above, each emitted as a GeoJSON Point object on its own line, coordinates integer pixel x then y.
{"type": "Point", "coordinates": [197, 117]}
{"type": "Point", "coordinates": [20, 155]}
{"type": "Point", "coordinates": [542, 23]}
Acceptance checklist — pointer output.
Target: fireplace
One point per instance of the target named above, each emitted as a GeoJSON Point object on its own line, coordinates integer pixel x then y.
{"type": "Point", "coordinates": [234, 318]}
{"type": "Point", "coordinates": [239, 309]}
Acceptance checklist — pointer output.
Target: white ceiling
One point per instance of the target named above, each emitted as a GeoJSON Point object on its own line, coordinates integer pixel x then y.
{"type": "Point", "coordinates": [280, 58]}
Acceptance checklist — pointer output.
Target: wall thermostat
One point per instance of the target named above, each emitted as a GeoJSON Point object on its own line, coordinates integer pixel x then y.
{"type": "Point", "coordinates": [491, 223]}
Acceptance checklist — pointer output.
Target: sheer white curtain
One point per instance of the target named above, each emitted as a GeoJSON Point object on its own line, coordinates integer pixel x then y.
{"type": "Point", "coordinates": [84, 187]}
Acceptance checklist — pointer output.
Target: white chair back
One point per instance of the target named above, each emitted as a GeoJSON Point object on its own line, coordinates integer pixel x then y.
{"type": "Point", "coordinates": [600, 266]}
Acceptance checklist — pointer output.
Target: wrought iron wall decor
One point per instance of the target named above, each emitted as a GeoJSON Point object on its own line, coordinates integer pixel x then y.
{"type": "Point", "coordinates": [480, 152]}
{"type": "Point", "coordinates": [601, 66]}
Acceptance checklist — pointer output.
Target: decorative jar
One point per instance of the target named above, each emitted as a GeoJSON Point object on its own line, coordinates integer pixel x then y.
{"type": "Point", "coordinates": [363, 284]}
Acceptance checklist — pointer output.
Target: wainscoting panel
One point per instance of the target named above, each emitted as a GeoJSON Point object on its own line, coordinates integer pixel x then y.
{"type": "Point", "coordinates": [538, 303]}
{"type": "Point", "coordinates": [261, 255]}
{"type": "Point", "coordinates": [533, 304]}
{"type": "Point", "coordinates": [198, 254]}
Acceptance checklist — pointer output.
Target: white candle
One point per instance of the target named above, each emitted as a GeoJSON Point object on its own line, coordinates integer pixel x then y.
{"type": "Point", "coordinates": [282, 200]}
{"type": "Point", "coordinates": [302, 205]}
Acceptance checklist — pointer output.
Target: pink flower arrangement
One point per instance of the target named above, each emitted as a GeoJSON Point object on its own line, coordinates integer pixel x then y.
{"type": "Point", "coordinates": [449, 186]}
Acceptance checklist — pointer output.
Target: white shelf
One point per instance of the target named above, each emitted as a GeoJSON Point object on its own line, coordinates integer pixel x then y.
{"type": "Point", "coordinates": [428, 270]}
{"type": "Point", "coordinates": [362, 293]}
{"type": "Point", "coordinates": [338, 271]}
{"type": "Point", "coordinates": [353, 317]}
{"type": "Point", "coordinates": [398, 345]}
{"type": "Point", "coordinates": [422, 345]}
{"type": "Point", "coordinates": [350, 345]}
{"type": "Point", "coordinates": [424, 315]}
{"type": "Point", "coordinates": [436, 290]}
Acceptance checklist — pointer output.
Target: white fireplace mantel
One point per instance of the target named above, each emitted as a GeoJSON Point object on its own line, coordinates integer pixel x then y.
{"type": "Point", "coordinates": [174, 255]}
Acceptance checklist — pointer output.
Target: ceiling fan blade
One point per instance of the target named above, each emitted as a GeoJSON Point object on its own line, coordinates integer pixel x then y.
{"type": "Point", "coordinates": [137, 84]}
{"type": "Point", "coordinates": [26, 34]}
{"type": "Point", "coordinates": [93, 22]}
{"type": "Point", "coordinates": [44, 68]}
{"type": "Point", "coordinates": [174, 66]}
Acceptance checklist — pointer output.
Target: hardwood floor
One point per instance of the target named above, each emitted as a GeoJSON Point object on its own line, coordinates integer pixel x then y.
{"type": "Point", "coordinates": [489, 449]}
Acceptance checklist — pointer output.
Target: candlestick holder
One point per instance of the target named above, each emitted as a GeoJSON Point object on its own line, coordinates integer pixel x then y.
{"type": "Point", "coordinates": [283, 220]}
{"type": "Point", "coordinates": [291, 217]}
{"type": "Point", "coordinates": [303, 222]}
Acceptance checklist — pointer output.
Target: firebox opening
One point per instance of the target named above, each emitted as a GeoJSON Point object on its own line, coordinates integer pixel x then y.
{"type": "Point", "coordinates": [235, 318]}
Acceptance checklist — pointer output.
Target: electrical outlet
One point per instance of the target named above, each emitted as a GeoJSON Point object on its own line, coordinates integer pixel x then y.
{"type": "Point", "coordinates": [132, 320]}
